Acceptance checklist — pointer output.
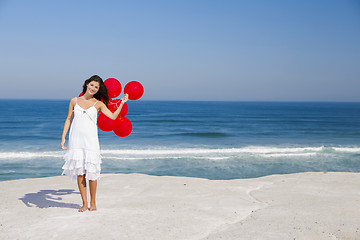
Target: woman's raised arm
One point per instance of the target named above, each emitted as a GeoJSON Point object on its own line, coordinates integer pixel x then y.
{"type": "Point", "coordinates": [113, 115]}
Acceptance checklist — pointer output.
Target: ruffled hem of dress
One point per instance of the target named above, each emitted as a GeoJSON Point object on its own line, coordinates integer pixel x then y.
{"type": "Point", "coordinates": [80, 162]}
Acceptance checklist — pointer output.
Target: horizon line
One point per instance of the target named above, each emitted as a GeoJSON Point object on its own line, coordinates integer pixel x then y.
{"type": "Point", "coordinates": [175, 100]}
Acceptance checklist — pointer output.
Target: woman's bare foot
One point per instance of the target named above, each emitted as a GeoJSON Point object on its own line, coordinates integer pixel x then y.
{"type": "Point", "coordinates": [92, 207]}
{"type": "Point", "coordinates": [83, 209]}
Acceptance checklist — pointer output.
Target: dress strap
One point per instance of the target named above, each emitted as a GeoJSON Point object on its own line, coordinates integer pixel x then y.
{"type": "Point", "coordinates": [95, 102]}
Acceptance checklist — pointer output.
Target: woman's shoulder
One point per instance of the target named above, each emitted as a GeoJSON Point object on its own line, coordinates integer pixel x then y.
{"type": "Point", "coordinates": [99, 102]}
{"type": "Point", "coordinates": [73, 100]}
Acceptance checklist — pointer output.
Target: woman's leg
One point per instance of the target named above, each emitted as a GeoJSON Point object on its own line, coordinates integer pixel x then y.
{"type": "Point", "coordinates": [82, 188]}
{"type": "Point", "coordinates": [93, 185]}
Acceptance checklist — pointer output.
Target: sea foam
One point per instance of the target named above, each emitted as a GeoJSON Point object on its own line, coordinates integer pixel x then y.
{"type": "Point", "coordinates": [211, 153]}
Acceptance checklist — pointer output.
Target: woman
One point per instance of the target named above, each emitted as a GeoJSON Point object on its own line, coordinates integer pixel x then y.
{"type": "Point", "coordinates": [82, 158]}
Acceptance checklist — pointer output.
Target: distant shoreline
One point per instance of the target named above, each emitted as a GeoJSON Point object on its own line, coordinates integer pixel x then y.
{"type": "Point", "coordinates": [230, 101]}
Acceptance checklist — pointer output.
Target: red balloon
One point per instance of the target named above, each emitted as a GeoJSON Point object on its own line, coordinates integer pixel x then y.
{"type": "Point", "coordinates": [105, 124]}
{"type": "Point", "coordinates": [123, 127]}
{"type": "Point", "coordinates": [114, 105]}
{"type": "Point", "coordinates": [134, 89]}
{"type": "Point", "coordinates": [113, 87]}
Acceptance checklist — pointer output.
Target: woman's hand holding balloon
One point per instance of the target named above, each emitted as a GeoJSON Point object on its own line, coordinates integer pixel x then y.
{"type": "Point", "coordinates": [125, 98]}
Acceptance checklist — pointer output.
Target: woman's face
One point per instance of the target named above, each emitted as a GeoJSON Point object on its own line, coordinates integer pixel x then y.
{"type": "Point", "coordinates": [93, 87]}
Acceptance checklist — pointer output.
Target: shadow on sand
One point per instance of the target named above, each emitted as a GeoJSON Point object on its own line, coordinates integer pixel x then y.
{"type": "Point", "coordinates": [49, 198]}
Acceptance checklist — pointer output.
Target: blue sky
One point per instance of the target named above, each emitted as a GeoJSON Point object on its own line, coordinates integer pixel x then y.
{"type": "Point", "coordinates": [300, 50]}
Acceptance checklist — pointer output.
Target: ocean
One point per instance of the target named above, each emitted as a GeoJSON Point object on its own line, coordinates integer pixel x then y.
{"type": "Point", "coordinates": [212, 140]}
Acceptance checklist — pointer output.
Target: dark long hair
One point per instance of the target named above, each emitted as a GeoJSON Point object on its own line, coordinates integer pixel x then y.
{"type": "Point", "coordinates": [102, 94]}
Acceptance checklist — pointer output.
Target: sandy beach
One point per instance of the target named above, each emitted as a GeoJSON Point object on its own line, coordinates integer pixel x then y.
{"type": "Point", "coordinates": [136, 206]}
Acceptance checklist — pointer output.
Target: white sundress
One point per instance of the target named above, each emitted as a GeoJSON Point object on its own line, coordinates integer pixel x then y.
{"type": "Point", "coordinates": [83, 153]}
